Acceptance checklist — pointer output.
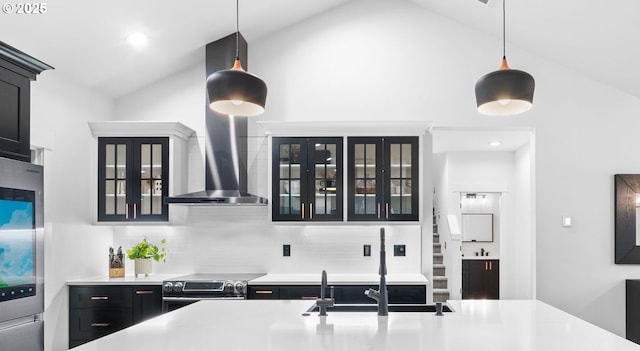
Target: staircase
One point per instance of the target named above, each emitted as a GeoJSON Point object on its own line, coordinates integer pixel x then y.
{"type": "Point", "coordinates": [440, 290]}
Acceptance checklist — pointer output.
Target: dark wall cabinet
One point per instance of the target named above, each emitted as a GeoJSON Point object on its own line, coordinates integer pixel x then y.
{"type": "Point", "coordinates": [383, 179]}
{"type": "Point", "coordinates": [96, 311]}
{"type": "Point", "coordinates": [480, 279]}
{"type": "Point", "coordinates": [307, 179]}
{"type": "Point", "coordinates": [633, 310]}
{"type": "Point", "coordinates": [133, 178]}
{"type": "Point", "coordinates": [343, 294]}
{"type": "Point", "coordinates": [17, 70]}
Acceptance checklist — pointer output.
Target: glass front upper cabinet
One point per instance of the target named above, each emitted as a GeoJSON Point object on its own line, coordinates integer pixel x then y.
{"type": "Point", "coordinates": [307, 179]}
{"type": "Point", "coordinates": [133, 175]}
{"type": "Point", "coordinates": [383, 182]}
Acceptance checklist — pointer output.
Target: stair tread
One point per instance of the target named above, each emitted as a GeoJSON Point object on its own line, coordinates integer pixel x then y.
{"type": "Point", "coordinates": [439, 277]}
{"type": "Point", "coordinates": [438, 254]}
{"type": "Point", "coordinates": [438, 266]}
{"type": "Point", "coordinates": [440, 291]}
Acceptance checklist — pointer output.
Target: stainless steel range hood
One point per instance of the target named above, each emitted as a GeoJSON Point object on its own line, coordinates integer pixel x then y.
{"type": "Point", "coordinates": [226, 142]}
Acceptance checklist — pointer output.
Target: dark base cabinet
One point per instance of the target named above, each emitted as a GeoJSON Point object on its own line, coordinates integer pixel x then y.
{"type": "Point", "coordinates": [633, 310]}
{"type": "Point", "coordinates": [480, 279]}
{"type": "Point", "coordinates": [99, 310]}
{"type": "Point", "coordinates": [343, 294]}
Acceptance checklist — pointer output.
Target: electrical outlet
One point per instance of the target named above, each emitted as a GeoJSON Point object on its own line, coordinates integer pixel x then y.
{"type": "Point", "coordinates": [286, 250]}
{"type": "Point", "coordinates": [367, 250]}
{"type": "Point", "coordinates": [399, 250]}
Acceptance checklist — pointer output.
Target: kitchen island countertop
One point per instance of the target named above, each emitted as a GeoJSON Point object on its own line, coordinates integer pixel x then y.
{"type": "Point", "coordinates": [496, 325]}
{"type": "Point", "coordinates": [339, 279]}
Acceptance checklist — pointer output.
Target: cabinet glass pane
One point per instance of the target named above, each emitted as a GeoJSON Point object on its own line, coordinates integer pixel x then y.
{"type": "Point", "coordinates": [289, 182]}
{"type": "Point", "coordinates": [110, 161]}
{"type": "Point", "coordinates": [156, 161]}
{"type": "Point", "coordinates": [110, 196]}
{"type": "Point", "coordinates": [365, 179]}
{"type": "Point", "coordinates": [325, 179]}
{"type": "Point", "coordinates": [121, 161]}
{"type": "Point", "coordinates": [121, 196]}
{"type": "Point", "coordinates": [400, 181]}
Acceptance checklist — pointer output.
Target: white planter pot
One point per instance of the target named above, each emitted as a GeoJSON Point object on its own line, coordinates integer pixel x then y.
{"type": "Point", "coordinates": [142, 266]}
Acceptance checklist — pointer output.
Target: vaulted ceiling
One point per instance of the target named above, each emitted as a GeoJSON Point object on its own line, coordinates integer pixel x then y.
{"type": "Point", "coordinates": [86, 41]}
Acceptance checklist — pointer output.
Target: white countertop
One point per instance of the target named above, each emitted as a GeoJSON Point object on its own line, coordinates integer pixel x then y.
{"type": "Point", "coordinates": [339, 279]}
{"type": "Point", "coordinates": [152, 279]}
{"type": "Point", "coordinates": [496, 325]}
{"type": "Point", "coordinates": [480, 257]}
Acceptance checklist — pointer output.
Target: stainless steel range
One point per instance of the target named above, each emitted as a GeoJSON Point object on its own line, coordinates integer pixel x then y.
{"type": "Point", "coordinates": [182, 291]}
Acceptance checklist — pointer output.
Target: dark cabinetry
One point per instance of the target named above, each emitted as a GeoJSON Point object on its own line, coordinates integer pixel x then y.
{"type": "Point", "coordinates": [383, 179]}
{"type": "Point", "coordinates": [307, 179]}
{"type": "Point", "coordinates": [633, 310]}
{"type": "Point", "coordinates": [17, 70]}
{"type": "Point", "coordinates": [480, 279]}
{"type": "Point", "coordinates": [133, 178]}
{"type": "Point", "coordinates": [96, 311]}
{"type": "Point", "coordinates": [343, 294]}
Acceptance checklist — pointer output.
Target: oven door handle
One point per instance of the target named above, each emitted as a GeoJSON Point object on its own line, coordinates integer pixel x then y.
{"type": "Point", "coordinates": [186, 299]}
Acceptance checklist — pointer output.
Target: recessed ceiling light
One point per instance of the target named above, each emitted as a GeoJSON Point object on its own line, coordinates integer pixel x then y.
{"type": "Point", "coordinates": [495, 143]}
{"type": "Point", "coordinates": [137, 39]}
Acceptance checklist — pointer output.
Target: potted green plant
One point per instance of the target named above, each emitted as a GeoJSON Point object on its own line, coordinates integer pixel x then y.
{"type": "Point", "coordinates": [142, 254]}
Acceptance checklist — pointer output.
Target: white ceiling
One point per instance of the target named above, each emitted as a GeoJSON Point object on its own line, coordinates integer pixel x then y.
{"type": "Point", "coordinates": [86, 40]}
{"type": "Point", "coordinates": [457, 139]}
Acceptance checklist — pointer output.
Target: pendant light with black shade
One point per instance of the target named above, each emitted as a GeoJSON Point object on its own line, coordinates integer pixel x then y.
{"type": "Point", "coordinates": [235, 91]}
{"type": "Point", "coordinates": [506, 91]}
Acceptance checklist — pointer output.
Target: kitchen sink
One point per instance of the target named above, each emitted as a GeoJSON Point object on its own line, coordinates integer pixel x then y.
{"type": "Point", "coordinates": [374, 308]}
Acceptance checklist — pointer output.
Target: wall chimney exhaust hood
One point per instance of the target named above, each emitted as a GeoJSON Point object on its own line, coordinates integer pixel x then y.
{"type": "Point", "coordinates": [226, 142]}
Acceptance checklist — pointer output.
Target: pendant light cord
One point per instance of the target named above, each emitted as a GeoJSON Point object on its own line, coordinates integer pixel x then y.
{"type": "Point", "coordinates": [238, 29]}
{"type": "Point", "coordinates": [504, 40]}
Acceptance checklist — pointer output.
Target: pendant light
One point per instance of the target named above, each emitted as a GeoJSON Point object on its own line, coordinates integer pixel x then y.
{"type": "Point", "coordinates": [506, 91]}
{"type": "Point", "coordinates": [235, 91]}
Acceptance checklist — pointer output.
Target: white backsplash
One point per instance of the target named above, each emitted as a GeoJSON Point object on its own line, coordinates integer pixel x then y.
{"type": "Point", "coordinates": [243, 239]}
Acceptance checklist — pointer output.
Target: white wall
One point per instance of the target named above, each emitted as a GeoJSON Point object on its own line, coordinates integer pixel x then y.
{"type": "Point", "coordinates": [60, 110]}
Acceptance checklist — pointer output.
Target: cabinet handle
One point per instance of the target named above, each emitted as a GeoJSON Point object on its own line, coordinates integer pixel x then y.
{"type": "Point", "coordinates": [310, 210]}
{"type": "Point", "coordinates": [126, 211]}
{"type": "Point", "coordinates": [101, 325]}
{"type": "Point", "coordinates": [144, 292]}
{"type": "Point", "coordinates": [386, 210]}
{"type": "Point", "coordinates": [378, 210]}
{"type": "Point", "coordinates": [309, 298]}
{"type": "Point", "coordinates": [486, 265]}
{"type": "Point", "coordinates": [135, 210]}
{"type": "Point", "coordinates": [264, 292]}
{"type": "Point", "coordinates": [490, 265]}
{"type": "Point", "coordinates": [303, 207]}
{"type": "Point", "coordinates": [95, 298]}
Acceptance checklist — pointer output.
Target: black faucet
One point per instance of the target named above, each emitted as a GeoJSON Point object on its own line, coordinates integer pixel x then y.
{"type": "Point", "coordinates": [381, 295]}
{"type": "Point", "coordinates": [323, 302]}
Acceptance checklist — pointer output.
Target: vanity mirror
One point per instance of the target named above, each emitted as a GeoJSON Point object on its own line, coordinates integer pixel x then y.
{"type": "Point", "coordinates": [627, 214]}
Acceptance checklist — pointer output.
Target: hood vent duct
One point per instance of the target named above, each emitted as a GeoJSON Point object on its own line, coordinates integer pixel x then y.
{"type": "Point", "coordinates": [225, 140]}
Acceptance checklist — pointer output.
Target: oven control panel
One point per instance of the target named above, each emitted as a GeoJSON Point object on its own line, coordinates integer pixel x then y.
{"type": "Point", "coordinates": [205, 288]}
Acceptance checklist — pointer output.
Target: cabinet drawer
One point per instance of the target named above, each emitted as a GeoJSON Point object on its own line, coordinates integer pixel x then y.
{"type": "Point", "coordinates": [264, 292]}
{"type": "Point", "coordinates": [407, 294]}
{"type": "Point", "coordinates": [100, 297]}
{"type": "Point", "coordinates": [302, 292]}
{"type": "Point", "coordinates": [97, 322]}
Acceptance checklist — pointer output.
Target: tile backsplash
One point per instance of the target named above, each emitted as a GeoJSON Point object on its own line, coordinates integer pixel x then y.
{"type": "Point", "coordinates": [243, 239]}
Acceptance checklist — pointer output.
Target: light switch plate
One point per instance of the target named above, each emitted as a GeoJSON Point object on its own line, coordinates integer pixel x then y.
{"type": "Point", "coordinates": [286, 250]}
{"type": "Point", "coordinates": [367, 250]}
{"type": "Point", "coordinates": [399, 250]}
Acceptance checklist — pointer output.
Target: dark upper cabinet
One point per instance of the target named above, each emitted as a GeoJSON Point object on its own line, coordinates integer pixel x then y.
{"type": "Point", "coordinates": [17, 70]}
{"type": "Point", "coordinates": [480, 279]}
{"type": "Point", "coordinates": [383, 179]}
{"type": "Point", "coordinates": [307, 179]}
{"type": "Point", "coordinates": [133, 178]}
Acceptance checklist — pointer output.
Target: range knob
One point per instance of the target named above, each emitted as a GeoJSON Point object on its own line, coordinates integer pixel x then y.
{"type": "Point", "coordinates": [228, 287]}
{"type": "Point", "coordinates": [177, 287]}
{"type": "Point", "coordinates": [167, 287]}
{"type": "Point", "coordinates": [240, 288]}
